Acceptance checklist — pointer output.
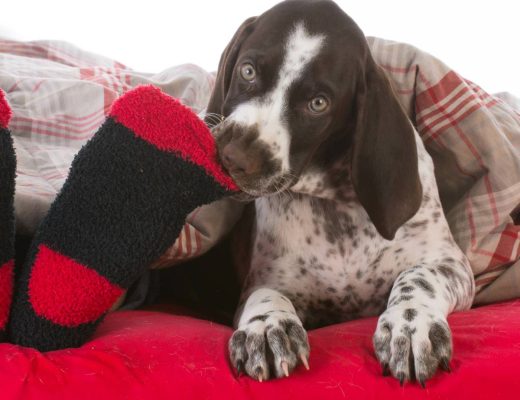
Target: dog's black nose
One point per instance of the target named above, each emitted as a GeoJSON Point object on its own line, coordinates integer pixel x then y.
{"type": "Point", "coordinates": [236, 160]}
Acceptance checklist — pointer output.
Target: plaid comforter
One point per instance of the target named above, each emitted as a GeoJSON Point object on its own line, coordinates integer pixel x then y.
{"type": "Point", "coordinates": [60, 95]}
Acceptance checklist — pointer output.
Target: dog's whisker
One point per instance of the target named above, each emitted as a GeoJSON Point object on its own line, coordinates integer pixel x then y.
{"type": "Point", "coordinates": [213, 119]}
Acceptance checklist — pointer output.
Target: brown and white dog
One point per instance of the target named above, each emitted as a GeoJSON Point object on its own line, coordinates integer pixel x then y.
{"type": "Point", "coordinates": [347, 217]}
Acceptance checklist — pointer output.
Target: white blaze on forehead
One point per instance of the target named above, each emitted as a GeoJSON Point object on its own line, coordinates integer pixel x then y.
{"type": "Point", "coordinates": [267, 112]}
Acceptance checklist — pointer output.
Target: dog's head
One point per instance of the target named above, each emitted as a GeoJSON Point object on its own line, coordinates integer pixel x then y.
{"type": "Point", "coordinates": [297, 91]}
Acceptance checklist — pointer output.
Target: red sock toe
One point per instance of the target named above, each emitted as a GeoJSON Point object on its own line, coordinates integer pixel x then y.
{"type": "Point", "coordinates": [178, 130]}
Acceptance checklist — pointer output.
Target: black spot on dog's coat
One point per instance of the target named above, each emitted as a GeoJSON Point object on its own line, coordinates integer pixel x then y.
{"type": "Point", "coordinates": [407, 289]}
{"type": "Point", "coordinates": [257, 318]}
{"type": "Point", "coordinates": [425, 285]}
{"type": "Point", "coordinates": [409, 314]}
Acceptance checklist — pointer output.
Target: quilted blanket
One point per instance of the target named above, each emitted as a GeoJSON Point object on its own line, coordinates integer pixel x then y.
{"type": "Point", "coordinates": [60, 95]}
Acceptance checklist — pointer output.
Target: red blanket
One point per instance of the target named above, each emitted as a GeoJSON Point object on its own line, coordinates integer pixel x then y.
{"type": "Point", "coordinates": [150, 355]}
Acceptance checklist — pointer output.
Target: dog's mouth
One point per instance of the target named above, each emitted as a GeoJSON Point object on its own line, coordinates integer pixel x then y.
{"type": "Point", "coordinates": [251, 188]}
{"type": "Point", "coordinates": [268, 179]}
{"type": "Point", "coordinates": [258, 185]}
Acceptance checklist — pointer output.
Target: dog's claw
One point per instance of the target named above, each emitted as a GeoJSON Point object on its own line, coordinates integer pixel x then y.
{"type": "Point", "coordinates": [386, 369]}
{"type": "Point", "coordinates": [240, 367]}
{"type": "Point", "coordinates": [422, 381]}
{"type": "Point", "coordinates": [285, 368]}
{"type": "Point", "coordinates": [304, 361]}
{"type": "Point", "coordinates": [259, 372]}
{"type": "Point", "coordinates": [445, 365]}
{"type": "Point", "coordinates": [400, 376]}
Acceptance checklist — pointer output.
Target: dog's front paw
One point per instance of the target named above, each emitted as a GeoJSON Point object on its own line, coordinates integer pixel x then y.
{"type": "Point", "coordinates": [412, 342]}
{"type": "Point", "coordinates": [269, 345]}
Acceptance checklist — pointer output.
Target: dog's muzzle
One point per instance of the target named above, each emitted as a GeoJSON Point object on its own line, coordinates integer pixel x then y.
{"type": "Point", "coordinates": [247, 158]}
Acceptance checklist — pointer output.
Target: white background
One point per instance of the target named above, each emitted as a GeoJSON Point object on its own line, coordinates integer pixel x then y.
{"type": "Point", "coordinates": [479, 39]}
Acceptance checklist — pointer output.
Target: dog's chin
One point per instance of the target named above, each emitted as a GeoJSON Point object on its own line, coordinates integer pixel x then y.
{"type": "Point", "coordinates": [261, 187]}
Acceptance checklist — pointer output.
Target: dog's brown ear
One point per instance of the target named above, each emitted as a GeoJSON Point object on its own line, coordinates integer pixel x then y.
{"type": "Point", "coordinates": [225, 68]}
{"type": "Point", "coordinates": [384, 160]}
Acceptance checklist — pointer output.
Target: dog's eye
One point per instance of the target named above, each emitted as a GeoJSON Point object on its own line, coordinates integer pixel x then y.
{"type": "Point", "coordinates": [318, 104]}
{"type": "Point", "coordinates": [247, 71]}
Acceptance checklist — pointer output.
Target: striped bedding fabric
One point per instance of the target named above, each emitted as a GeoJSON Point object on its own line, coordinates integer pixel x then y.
{"type": "Point", "coordinates": [60, 95]}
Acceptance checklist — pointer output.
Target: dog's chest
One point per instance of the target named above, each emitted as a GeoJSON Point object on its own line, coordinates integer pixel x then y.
{"type": "Point", "coordinates": [325, 255]}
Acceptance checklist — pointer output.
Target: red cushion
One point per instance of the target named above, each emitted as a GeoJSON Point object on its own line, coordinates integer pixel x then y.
{"type": "Point", "coordinates": [154, 355]}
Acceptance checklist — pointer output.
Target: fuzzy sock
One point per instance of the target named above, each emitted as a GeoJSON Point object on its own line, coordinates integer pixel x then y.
{"type": "Point", "coordinates": [7, 184]}
{"type": "Point", "coordinates": [124, 202]}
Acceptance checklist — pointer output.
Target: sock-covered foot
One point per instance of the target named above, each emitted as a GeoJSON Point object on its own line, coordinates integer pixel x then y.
{"type": "Point", "coordinates": [124, 202]}
{"type": "Point", "coordinates": [7, 183]}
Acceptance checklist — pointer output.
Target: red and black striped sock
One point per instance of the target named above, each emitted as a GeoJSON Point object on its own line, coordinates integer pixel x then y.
{"type": "Point", "coordinates": [7, 184]}
{"type": "Point", "coordinates": [124, 202]}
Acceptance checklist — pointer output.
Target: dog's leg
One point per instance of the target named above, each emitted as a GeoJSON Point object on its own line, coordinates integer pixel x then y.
{"type": "Point", "coordinates": [270, 339]}
{"type": "Point", "coordinates": [412, 336]}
